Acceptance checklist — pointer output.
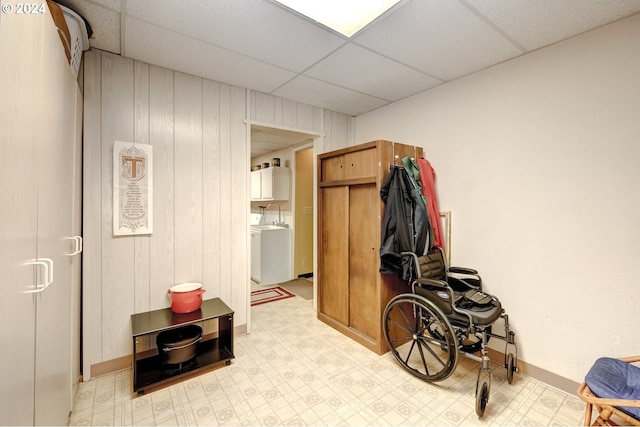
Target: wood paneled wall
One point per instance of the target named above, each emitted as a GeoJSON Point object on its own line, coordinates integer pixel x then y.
{"type": "Point", "coordinates": [199, 134]}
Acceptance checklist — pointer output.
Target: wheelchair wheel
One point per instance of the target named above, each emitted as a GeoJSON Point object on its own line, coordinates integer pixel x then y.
{"type": "Point", "coordinates": [511, 368]}
{"type": "Point", "coordinates": [482, 397]}
{"type": "Point", "coordinates": [420, 337]}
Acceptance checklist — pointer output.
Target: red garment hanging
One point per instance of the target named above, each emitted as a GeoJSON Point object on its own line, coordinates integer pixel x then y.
{"type": "Point", "coordinates": [428, 181]}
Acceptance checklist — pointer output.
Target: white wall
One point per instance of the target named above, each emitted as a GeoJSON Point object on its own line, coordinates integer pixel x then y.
{"type": "Point", "coordinates": [538, 159]}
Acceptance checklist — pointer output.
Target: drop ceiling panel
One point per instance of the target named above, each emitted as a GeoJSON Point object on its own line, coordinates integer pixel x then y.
{"type": "Point", "coordinates": [538, 23]}
{"type": "Point", "coordinates": [110, 4]}
{"type": "Point", "coordinates": [325, 95]}
{"type": "Point", "coordinates": [367, 72]}
{"type": "Point", "coordinates": [439, 37]}
{"type": "Point", "coordinates": [156, 45]}
{"type": "Point", "coordinates": [261, 45]}
{"type": "Point", "coordinates": [256, 28]}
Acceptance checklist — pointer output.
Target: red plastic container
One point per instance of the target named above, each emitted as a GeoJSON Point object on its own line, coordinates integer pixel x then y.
{"type": "Point", "coordinates": [186, 297]}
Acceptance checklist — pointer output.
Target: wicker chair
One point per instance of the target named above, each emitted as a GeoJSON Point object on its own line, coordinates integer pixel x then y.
{"type": "Point", "coordinates": [612, 408]}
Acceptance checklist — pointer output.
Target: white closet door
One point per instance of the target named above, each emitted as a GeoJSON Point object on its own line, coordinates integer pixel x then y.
{"type": "Point", "coordinates": [55, 209]}
{"type": "Point", "coordinates": [18, 214]}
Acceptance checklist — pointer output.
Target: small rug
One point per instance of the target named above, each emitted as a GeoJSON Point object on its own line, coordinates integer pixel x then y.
{"type": "Point", "coordinates": [263, 296]}
{"type": "Point", "coordinates": [301, 287]}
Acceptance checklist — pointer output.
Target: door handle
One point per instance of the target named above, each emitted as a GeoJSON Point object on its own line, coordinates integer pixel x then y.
{"type": "Point", "coordinates": [77, 245]}
{"type": "Point", "coordinates": [47, 264]}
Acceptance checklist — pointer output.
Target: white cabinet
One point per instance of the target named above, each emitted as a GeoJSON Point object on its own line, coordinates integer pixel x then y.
{"type": "Point", "coordinates": [270, 184]}
{"type": "Point", "coordinates": [256, 182]}
{"type": "Point", "coordinates": [255, 255]}
{"type": "Point", "coordinates": [271, 255]}
{"type": "Point", "coordinates": [38, 130]}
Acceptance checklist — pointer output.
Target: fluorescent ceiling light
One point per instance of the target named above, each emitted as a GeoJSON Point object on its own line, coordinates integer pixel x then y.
{"type": "Point", "coordinates": [344, 16]}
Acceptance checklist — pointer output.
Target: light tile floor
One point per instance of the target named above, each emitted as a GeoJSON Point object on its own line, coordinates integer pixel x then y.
{"type": "Point", "coordinates": [294, 370]}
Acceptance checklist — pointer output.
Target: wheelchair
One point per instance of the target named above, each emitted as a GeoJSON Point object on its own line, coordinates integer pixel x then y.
{"type": "Point", "coordinates": [446, 315]}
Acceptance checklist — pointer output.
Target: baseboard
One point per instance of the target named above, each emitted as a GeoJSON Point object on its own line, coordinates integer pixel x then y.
{"type": "Point", "coordinates": [124, 362]}
{"type": "Point", "coordinates": [110, 366]}
{"type": "Point", "coordinates": [542, 375]}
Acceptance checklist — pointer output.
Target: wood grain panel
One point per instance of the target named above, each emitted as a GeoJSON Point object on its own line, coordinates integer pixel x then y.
{"type": "Point", "coordinates": [201, 187]}
{"type": "Point", "coordinates": [117, 253]}
{"type": "Point", "coordinates": [361, 164]}
{"type": "Point", "coordinates": [188, 177]}
{"type": "Point", "coordinates": [278, 108]}
{"type": "Point", "coordinates": [92, 213]}
{"type": "Point", "coordinates": [333, 253]}
{"type": "Point", "coordinates": [289, 113]}
{"type": "Point", "coordinates": [212, 183]}
{"type": "Point", "coordinates": [162, 241]}
{"type": "Point", "coordinates": [226, 196]}
{"type": "Point", "coordinates": [318, 119]}
{"type": "Point", "coordinates": [239, 176]}
{"type": "Point", "coordinates": [364, 255]}
{"type": "Point", "coordinates": [333, 169]}
{"type": "Point", "coordinates": [141, 135]}
{"type": "Point", "coordinates": [304, 116]}
{"type": "Point", "coordinates": [263, 108]}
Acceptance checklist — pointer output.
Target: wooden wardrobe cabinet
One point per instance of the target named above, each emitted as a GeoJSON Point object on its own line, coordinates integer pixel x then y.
{"type": "Point", "coordinates": [352, 294]}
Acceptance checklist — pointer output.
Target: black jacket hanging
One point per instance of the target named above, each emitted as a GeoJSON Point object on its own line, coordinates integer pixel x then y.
{"type": "Point", "coordinates": [405, 223]}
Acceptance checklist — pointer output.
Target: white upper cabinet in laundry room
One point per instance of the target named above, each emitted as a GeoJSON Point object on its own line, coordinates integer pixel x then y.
{"type": "Point", "coordinates": [270, 184]}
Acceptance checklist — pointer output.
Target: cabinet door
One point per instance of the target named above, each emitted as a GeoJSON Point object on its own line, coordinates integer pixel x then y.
{"type": "Point", "coordinates": [56, 134]}
{"type": "Point", "coordinates": [332, 169]}
{"type": "Point", "coordinates": [334, 263]}
{"type": "Point", "coordinates": [256, 185]}
{"type": "Point", "coordinates": [267, 183]}
{"type": "Point", "coordinates": [255, 256]}
{"type": "Point", "coordinates": [19, 115]}
{"type": "Point", "coordinates": [363, 260]}
{"type": "Point", "coordinates": [360, 164]}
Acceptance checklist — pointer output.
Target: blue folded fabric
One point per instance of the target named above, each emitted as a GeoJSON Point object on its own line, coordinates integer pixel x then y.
{"type": "Point", "coordinates": [614, 379]}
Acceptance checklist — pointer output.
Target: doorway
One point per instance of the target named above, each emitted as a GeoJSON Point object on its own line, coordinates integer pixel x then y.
{"type": "Point", "coordinates": [303, 213]}
{"type": "Point", "coordinates": [293, 149]}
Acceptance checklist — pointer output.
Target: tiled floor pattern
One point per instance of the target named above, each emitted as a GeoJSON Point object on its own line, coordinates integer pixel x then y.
{"type": "Point", "coordinates": [294, 370]}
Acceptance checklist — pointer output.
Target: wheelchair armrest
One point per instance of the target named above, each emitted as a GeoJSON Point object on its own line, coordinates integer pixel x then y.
{"type": "Point", "coordinates": [432, 282]}
{"type": "Point", "coordinates": [463, 270]}
{"type": "Point", "coordinates": [467, 276]}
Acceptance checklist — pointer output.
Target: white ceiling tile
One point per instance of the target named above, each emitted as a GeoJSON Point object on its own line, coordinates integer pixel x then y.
{"type": "Point", "coordinates": [440, 37]}
{"type": "Point", "coordinates": [538, 23]}
{"type": "Point", "coordinates": [367, 72]}
{"type": "Point", "coordinates": [158, 46]}
{"type": "Point", "coordinates": [111, 4]}
{"type": "Point", "coordinates": [255, 28]}
{"type": "Point", "coordinates": [261, 45]}
{"type": "Point", "coordinates": [325, 95]}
